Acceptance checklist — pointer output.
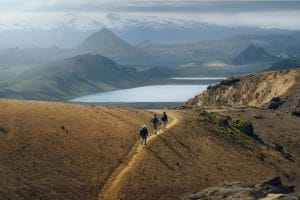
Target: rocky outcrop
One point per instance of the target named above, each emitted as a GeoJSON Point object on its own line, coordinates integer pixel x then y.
{"type": "Point", "coordinates": [276, 102]}
{"type": "Point", "coordinates": [259, 90]}
{"type": "Point", "coordinates": [272, 189]}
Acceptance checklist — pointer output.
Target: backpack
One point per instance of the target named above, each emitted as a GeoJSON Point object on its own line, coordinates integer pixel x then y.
{"type": "Point", "coordinates": [164, 118]}
{"type": "Point", "coordinates": [143, 132]}
{"type": "Point", "coordinates": [154, 120]}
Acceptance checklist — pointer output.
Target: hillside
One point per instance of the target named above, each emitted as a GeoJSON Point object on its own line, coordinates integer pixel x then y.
{"type": "Point", "coordinates": [284, 64]}
{"type": "Point", "coordinates": [197, 154]}
{"type": "Point", "coordinates": [62, 151]}
{"type": "Point", "coordinates": [70, 78]}
{"type": "Point", "coordinates": [252, 55]}
{"type": "Point", "coordinates": [66, 151]}
{"type": "Point", "coordinates": [253, 90]}
{"type": "Point", "coordinates": [105, 42]}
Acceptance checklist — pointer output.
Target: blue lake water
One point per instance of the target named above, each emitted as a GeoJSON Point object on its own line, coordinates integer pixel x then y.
{"type": "Point", "coordinates": [153, 93]}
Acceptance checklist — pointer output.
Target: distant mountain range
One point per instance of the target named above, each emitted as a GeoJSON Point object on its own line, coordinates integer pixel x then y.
{"type": "Point", "coordinates": [68, 35]}
{"type": "Point", "coordinates": [105, 42]}
{"type": "Point", "coordinates": [63, 74]}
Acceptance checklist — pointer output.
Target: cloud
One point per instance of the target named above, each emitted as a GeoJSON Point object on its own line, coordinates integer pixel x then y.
{"type": "Point", "coordinates": [90, 14]}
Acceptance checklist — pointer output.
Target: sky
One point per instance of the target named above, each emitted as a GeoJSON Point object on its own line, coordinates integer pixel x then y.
{"type": "Point", "coordinates": [92, 14]}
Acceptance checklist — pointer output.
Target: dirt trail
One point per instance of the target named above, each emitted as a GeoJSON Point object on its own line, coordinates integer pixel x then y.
{"type": "Point", "coordinates": [110, 189]}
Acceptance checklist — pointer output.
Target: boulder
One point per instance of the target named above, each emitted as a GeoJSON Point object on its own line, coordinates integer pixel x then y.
{"type": "Point", "coordinates": [237, 190]}
{"type": "Point", "coordinates": [247, 128]}
{"type": "Point", "coordinates": [296, 113]}
{"type": "Point", "coordinates": [259, 117]}
{"type": "Point", "coordinates": [275, 102]}
{"type": "Point", "coordinates": [225, 121]}
{"type": "Point", "coordinates": [275, 186]}
{"type": "Point", "coordinates": [280, 197]}
{"type": "Point", "coordinates": [2, 130]}
{"type": "Point", "coordinates": [230, 81]}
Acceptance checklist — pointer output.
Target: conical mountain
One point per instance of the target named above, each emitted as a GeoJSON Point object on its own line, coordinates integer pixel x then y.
{"type": "Point", "coordinates": [252, 55]}
{"type": "Point", "coordinates": [106, 43]}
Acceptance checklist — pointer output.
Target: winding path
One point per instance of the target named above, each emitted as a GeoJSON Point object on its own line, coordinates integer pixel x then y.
{"type": "Point", "coordinates": [110, 188]}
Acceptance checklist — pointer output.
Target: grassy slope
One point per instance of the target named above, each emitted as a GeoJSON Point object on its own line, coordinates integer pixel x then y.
{"type": "Point", "coordinates": [62, 151]}
{"type": "Point", "coordinates": [194, 155]}
{"type": "Point", "coordinates": [65, 151]}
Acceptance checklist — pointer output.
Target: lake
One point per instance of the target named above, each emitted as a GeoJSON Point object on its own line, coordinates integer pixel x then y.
{"type": "Point", "coordinates": [153, 93]}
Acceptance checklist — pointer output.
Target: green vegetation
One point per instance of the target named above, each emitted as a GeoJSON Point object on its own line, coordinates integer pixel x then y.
{"type": "Point", "coordinates": [235, 130]}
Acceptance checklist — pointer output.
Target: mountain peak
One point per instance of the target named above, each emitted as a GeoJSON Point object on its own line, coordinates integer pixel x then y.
{"type": "Point", "coordinates": [254, 47]}
{"type": "Point", "coordinates": [253, 54]}
{"type": "Point", "coordinates": [105, 30]}
{"type": "Point", "coordinates": [106, 43]}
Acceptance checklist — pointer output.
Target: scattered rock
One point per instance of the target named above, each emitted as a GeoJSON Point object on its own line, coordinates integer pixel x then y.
{"type": "Point", "coordinates": [225, 121]}
{"type": "Point", "coordinates": [277, 147]}
{"type": "Point", "coordinates": [230, 81]}
{"type": "Point", "coordinates": [259, 117]}
{"type": "Point", "coordinates": [2, 130]}
{"type": "Point", "coordinates": [226, 82]}
{"type": "Point", "coordinates": [275, 186]}
{"type": "Point", "coordinates": [280, 197]}
{"type": "Point", "coordinates": [280, 149]}
{"type": "Point", "coordinates": [296, 113]}
{"type": "Point", "coordinates": [247, 128]}
{"type": "Point", "coordinates": [275, 103]}
{"type": "Point", "coordinates": [237, 190]}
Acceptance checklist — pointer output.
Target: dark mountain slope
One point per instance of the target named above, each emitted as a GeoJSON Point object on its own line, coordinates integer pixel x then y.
{"type": "Point", "coordinates": [284, 64]}
{"type": "Point", "coordinates": [71, 77]}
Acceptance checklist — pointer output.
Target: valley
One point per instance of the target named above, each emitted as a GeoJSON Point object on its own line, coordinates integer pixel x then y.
{"type": "Point", "coordinates": [68, 151]}
{"type": "Point", "coordinates": [64, 74]}
{"type": "Point", "coordinates": [149, 100]}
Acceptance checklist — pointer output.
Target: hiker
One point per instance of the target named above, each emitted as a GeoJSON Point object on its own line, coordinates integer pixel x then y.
{"type": "Point", "coordinates": [155, 123]}
{"type": "Point", "coordinates": [144, 134]}
{"type": "Point", "coordinates": [164, 120]}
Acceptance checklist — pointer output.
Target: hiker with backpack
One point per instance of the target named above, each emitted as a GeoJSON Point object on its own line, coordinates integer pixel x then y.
{"type": "Point", "coordinates": [144, 134]}
{"type": "Point", "coordinates": [155, 123]}
{"type": "Point", "coordinates": [164, 120]}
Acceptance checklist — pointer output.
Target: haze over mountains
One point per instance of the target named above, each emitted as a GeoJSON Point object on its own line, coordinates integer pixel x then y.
{"type": "Point", "coordinates": [68, 35]}
{"type": "Point", "coordinates": [108, 44]}
{"type": "Point", "coordinates": [42, 73]}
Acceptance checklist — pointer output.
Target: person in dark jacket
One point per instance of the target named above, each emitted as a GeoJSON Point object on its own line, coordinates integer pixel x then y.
{"type": "Point", "coordinates": [155, 123]}
{"type": "Point", "coordinates": [144, 134]}
{"type": "Point", "coordinates": [164, 120]}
